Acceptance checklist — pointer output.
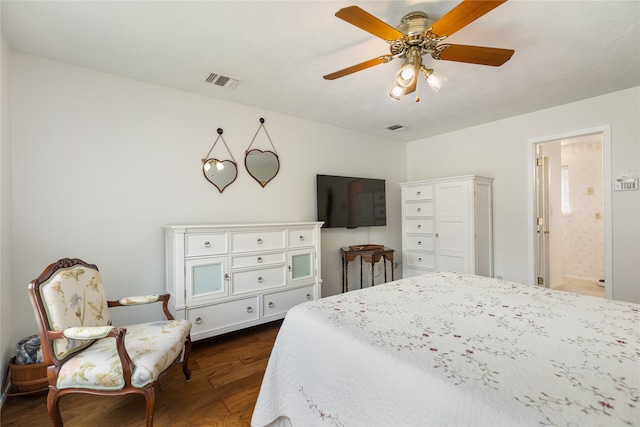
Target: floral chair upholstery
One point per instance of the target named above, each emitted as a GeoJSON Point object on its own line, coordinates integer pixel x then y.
{"type": "Point", "coordinates": [86, 353]}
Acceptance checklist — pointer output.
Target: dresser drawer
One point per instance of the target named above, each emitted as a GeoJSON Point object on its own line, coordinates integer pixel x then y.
{"type": "Point", "coordinates": [280, 302]}
{"type": "Point", "coordinates": [257, 260]}
{"type": "Point", "coordinates": [302, 237]}
{"type": "Point", "coordinates": [419, 192]}
{"type": "Point", "coordinates": [223, 315]}
{"type": "Point", "coordinates": [420, 259]}
{"type": "Point", "coordinates": [419, 242]}
{"type": "Point", "coordinates": [419, 209]}
{"type": "Point", "coordinates": [199, 244]}
{"type": "Point", "coordinates": [419, 225]}
{"type": "Point", "coordinates": [257, 241]}
{"type": "Point", "coordinates": [257, 279]}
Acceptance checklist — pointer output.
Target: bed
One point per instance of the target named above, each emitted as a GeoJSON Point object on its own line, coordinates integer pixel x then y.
{"type": "Point", "coordinates": [448, 349]}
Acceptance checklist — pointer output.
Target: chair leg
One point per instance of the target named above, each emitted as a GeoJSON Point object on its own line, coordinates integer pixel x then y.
{"type": "Point", "coordinates": [185, 359]}
{"type": "Point", "coordinates": [150, 398]}
{"type": "Point", "coordinates": [53, 407]}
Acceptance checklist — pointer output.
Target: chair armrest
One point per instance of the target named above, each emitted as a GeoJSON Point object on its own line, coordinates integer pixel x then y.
{"type": "Point", "coordinates": [145, 299]}
{"type": "Point", "coordinates": [87, 333]}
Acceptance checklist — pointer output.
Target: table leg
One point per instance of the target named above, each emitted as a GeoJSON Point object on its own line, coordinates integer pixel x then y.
{"type": "Point", "coordinates": [373, 264]}
{"type": "Point", "coordinates": [345, 279]}
{"type": "Point", "coordinates": [384, 262]}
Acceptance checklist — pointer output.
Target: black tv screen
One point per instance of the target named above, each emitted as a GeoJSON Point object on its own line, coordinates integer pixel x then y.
{"type": "Point", "coordinates": [350, 202]}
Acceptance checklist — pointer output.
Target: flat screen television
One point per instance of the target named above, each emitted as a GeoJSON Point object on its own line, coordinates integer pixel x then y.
{"type": "Point", "coordinates": [350, 202]}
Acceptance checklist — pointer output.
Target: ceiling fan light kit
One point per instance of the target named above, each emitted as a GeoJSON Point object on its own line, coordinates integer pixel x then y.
{"type": "Point", "coordinates": [416, 36]}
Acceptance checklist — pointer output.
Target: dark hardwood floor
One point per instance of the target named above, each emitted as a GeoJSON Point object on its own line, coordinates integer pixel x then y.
{"type": "Point", "coordinates": [226, 375]}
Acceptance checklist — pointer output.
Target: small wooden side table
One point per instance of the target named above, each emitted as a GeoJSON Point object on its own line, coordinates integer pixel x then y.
{"type": "Point", "coordinates": [369, 254]}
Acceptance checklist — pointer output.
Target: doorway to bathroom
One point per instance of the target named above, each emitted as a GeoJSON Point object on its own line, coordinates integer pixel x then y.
{"type": "Point", "coordinates": [570, 201]}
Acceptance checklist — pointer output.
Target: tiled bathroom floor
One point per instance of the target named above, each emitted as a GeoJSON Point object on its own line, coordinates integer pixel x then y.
{"type": "Point", "coordinates": [587, 287]}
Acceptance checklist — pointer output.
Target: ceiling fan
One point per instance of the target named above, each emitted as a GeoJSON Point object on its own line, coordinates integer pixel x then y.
{"type": "Point", "coordinates": [416, 36]}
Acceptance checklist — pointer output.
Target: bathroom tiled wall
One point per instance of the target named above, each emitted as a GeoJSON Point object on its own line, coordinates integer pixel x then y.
{"type": "Point", "coordinates": [583, 229]}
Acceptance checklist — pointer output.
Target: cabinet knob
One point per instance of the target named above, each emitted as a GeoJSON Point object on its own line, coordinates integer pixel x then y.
{"type": "Point", "coordinates": [437, 235]}
{"type": "Point", "coordinates": [290, 268]}
{"type": "Point", "coordinates": [302, 238]}
{"type": "Point", "coordinates": [419, 243]}
{"type": "Point", "coordinates": [271, 304]}
{"type": "Point", "coordinates": [259, 259]}
{"type": "Point", "coordinates": [308, 296]}
{"type": "Point", "coordinates": [419, 259]}
{"type": "Point", "coordinates": [198, 320]}
{"type": "Point", "coordinates": [419, 210]}
{"type": "Point", "coordinates": [207, 244]}
{"type": "Point", "coordinates": [417, 193]}
{"type": "Point", "coordinates": [249, 309]}
{"type": "Point", "coordinates": [260, 279]}
{"type": "Point", "coordinates": [419, 227]}
{"type": "Point", "coordinates": [259, 241]}
{"type": "Point", "coordinates": [226, 276]}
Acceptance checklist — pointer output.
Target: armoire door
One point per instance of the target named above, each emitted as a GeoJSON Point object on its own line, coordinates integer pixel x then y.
{"type": "Point", "coordinates": [452, 222]}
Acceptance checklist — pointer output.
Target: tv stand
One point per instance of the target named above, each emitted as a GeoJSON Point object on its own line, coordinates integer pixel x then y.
{"type": "Point", "coordinates": [368, 253]}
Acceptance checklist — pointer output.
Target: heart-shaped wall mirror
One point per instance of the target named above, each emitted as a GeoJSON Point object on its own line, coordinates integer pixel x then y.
{"type": "Point", "coordinates": [220, 173]}
{"type": "Point", "coordinates": [263, 166]}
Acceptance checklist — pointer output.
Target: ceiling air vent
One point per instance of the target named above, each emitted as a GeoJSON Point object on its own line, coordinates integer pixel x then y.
{"type": "Point", "coordinates": [223, 81]}
{"type": "Point", "coordinates": [395, 127]}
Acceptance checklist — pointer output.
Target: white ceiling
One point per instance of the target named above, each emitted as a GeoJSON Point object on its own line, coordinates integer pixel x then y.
{"type": "Point", "coordinates": [564, 51]}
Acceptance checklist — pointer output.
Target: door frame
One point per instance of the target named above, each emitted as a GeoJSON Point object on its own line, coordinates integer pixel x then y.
{"type": "Point", "coordinates": [532, 143]}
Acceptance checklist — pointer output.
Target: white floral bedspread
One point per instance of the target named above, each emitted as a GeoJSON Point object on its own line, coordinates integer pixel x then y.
{"type": "Point", "coordinates": [447, 349]}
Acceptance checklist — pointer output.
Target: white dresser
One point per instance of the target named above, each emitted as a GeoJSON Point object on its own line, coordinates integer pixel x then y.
{"type": "Point", "coordinates": [228, 277]}
{"type": "Point", "coordinates": [447, 226]}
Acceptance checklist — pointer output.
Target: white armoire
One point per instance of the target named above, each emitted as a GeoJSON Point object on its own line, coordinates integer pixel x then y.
{"type": "Point", "coordinates": [447, 226]}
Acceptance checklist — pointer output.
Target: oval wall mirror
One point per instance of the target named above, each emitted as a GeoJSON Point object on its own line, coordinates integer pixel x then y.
{"type": "Point", "coordinates": [263, 166]}
{"type": "Point", "coordinates": [220, 173]}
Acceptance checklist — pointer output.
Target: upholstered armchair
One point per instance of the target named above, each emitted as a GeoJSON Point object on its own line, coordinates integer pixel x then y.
{"type": "Point", "coordinates": [86, 353]}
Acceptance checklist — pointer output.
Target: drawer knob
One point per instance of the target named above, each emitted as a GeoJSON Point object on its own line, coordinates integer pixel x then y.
{"type": "Point", "coordinates": [419, 259]}
{"type": "Point", "coordinates": [249, 309]}
{"type": "Point", "coordinates": [419, 210]}
{"type": "Point", "coordinates": [308, 296]}
{"type": "Point", "coordinates": [419, 243]}
{"type": "Point", "coordinates": [260, 279]}
{"type": "Point", "coordinates": [259, 259]}
{"type": "Point", "coordinates": [302, 238]}
{"type": "Point", "coordinates": [259, 241]}
{"type": "Point", "coordinates": [419, 226]}
{"type": "Point", "coordinates": [271, 304]}
{"type": "Point", "coordinates": [417, 193]}
{"type": "Point", "coordinates": [207, 244]}
{"type": "Point", "coordinates": [198, 320]}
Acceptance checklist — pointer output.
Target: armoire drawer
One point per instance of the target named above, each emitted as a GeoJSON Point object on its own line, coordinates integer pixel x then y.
{"type": "Point", "coordinates": [420, 209]}
{"type": "Point", "coordinates": [419, 225]}
{"type": "Point", "coordinates": [244, 281]}
{"type": "Point", "coordinates": [257, 260]}
{"type": "Point", "coordinates": [420, 259]}
{"type": "Point", "coordinates": [257, 241]}
{"type": "Point", "coordinates": [419, 192]}
{"type": "Point", "coordinates": [417, 242]}
{"type": "Point", "coordinates": [199, 244]}
{"type": "Point", "coordinates": [280, 302]}
{"type": "Point", "coordinates": [302, 237]}
{"type": "Point", "coordinates": [223, 315]}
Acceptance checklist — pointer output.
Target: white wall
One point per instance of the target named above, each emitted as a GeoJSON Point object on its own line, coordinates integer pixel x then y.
{"type": "Point", "coordinates": [101, 162]}
{"type": "Point", "coordinates": [5, 213]}
{"type": "Point", "coordinates": [499, 150]}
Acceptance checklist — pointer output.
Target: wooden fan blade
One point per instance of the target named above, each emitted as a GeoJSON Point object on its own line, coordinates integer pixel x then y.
{"type": "Point", "coordinates": [364, 20]}
{"type": "Point", "coordinates": [462, 15]}
{"type": "Point", "coordinates": [358, 67]}
{"type": "Point", "coordinates": [473, 54]}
